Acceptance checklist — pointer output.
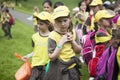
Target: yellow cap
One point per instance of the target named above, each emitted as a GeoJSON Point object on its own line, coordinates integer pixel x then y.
{"type": "Point", "coordinates": [104, 14]}
{"type": "Point", "coordinates": [60, 11]}
{"type": "Point", "coordinates": [96, 2]}
{"type": "Point", "coordinates": [102, 39]}
{"type": "Point", "coordinates": [35, 14]}
{"type": "Point", "coordinates": [45, 16]}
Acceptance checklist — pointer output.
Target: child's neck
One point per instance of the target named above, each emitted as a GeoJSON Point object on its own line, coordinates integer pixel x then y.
{"type": "Point", "coordinates": [44, 33]}
{"type": "Point", "coordinates": [63, 33]}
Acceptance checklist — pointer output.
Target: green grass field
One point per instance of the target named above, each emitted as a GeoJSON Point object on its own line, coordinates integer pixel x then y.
{"type": "Point", "coordinates": [21, 43]}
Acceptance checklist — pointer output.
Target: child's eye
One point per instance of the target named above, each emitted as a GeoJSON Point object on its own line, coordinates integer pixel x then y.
{"type": "Point", "coordinates": [40, 23]}
{"type": "Point", "coordinates": [59, 21]}
{"type": "Point", "coordinates": [65, 20]}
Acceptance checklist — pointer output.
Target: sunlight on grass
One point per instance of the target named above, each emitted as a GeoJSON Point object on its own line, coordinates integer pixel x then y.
{"type": "Point", "coordinates": [21, 43]}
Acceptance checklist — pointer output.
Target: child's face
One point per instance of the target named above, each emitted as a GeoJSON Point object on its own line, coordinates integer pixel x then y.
{"type": "Point", "coordinates": [105, 22]}
{"type": "Point", "coordinates": [95, 8]}
{"type": "Point", "coordinates": [62, 24]}
{"type": "Point", "coordinates": [87, 1]}
{"type": "Point", "coordinates": [47, 7]}
{"type": "Point", "coordinates": [83, 6]}
{"type": "Point", "coordinates": [42, 25]}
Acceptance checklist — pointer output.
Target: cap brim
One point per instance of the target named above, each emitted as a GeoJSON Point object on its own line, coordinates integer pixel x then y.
{"type": "Point", "coordinates": [55, 16]}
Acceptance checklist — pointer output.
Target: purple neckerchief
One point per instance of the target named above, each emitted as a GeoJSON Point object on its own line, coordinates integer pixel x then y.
{"type": "Point", "coordinates": [115, 18]}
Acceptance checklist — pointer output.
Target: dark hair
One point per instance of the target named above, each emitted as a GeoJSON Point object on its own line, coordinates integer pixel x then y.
{"type": "Point", "coordinates": [7, 10]}
{"type": "Point", "coordinates": [96, 27]}
{"type": "Point", "coordinates": [50, 27]}
{"type": "Point", "coordinates": [47, 1]}
{"type": "Point", "coordinates": [116, 38]}
{"type": "Point", "coordinates": [117, 34]}
{"type": "Point", "coordinates": [79, 4]}
{"type": "Point", "coordinates": [111, 7]}
{"type": "Point", "coordinates": [58, 4]}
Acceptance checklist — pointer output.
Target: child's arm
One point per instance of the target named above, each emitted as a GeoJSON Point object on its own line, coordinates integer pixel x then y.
{"type": "Point", "coordinates": [76, 47]}
{"type": "Point", "coordinates": [75, 43]}
{"type": "Point", "coordinates": [54, 55]}
{"type": "Point", "coordinates": [24, 58]}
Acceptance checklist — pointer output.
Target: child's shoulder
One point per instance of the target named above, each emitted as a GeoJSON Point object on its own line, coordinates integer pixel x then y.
{"type": "Point", "coordinates": [35, 34]}
{"type": "Point", "coordinates": [101, 33]}
{"type": "Point", "coordinates": [52, 32]}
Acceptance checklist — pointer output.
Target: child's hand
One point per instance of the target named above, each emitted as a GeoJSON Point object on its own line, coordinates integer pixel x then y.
{"type": "Point", "coordinates": [63, 39]}
{"type": "Point", "coordinates": [69, 36]}
{"type": "Point", "coordinates": [91, 12]}
{"type": "Point", "coordinates": [24, 58]}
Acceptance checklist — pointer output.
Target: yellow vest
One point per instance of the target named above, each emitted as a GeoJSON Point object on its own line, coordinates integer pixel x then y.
{"type": "Point", "coordinates": [67, 51]}
{"type": "Point", "coordinates": [34, 19]}
{"type": "Point", "coordinates": [40, 56]}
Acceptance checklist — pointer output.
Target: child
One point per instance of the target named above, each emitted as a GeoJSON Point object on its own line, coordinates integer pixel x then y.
{"type": "Point", "coordinates": [81, 17]}
{"type": "Point", "coordinates": [95, 6]}
{"type": "Point", "coordinates": [39, 55]}
{"type": "Point", "coordinates": [6, 26]}
{"type": "Point", "coordinates": [36, 12]}
{"type": "Point", "coordinates": [103, 35]}
{"type": "Point", "coordinates": [62, 46]}
{"type": "Point", "coordinates": [103, 18]}
{"type": "Point", "coordinates": [47, 6]}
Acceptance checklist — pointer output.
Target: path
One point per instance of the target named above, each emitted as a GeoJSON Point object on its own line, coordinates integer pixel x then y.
{"type": "Point", "coordinates": [25, 18]}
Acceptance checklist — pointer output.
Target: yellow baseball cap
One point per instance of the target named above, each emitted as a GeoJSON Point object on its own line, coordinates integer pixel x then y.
{"type": "Point", "coordinates": [60, 11]}
{"type": "Point", "coordinates": [45, 16]}
{"type": "Point", "coordinates": [104, 14]}
{"type": "Point", "coordinates": [96, 2]}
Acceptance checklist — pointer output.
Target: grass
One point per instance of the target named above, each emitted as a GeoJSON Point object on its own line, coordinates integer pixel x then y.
{"type": "Point", "coordinates": [21, 43]}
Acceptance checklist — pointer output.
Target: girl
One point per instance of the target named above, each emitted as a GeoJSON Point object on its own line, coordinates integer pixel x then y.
{"type": "Point", "coordinates": [81, 17]}
{"type": "Point", "coordinates": [39, 55]}
{"type": "Point", "coordinates": [95, 6]}
{"type": "Point", "coordinates": [36, 12]}
{"type": "Point", "coordinates": [47, 6]}
{"type": "Point", "coordinates": [109, 36]}
{"type": "Point", "coordinates": [62, 46]}
{"type": "Point", "coordinates": [103, 35]}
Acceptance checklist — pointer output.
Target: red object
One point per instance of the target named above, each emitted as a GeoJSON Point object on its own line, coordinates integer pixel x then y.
{"type": "Point", "coordinates": [11, 21]}
{"type": "Point", "coordinates": [99, 50]}
{"type": "Point", "coordinates": [24, 72]}
{"type": "Point", "coordinates": [92, 66]}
